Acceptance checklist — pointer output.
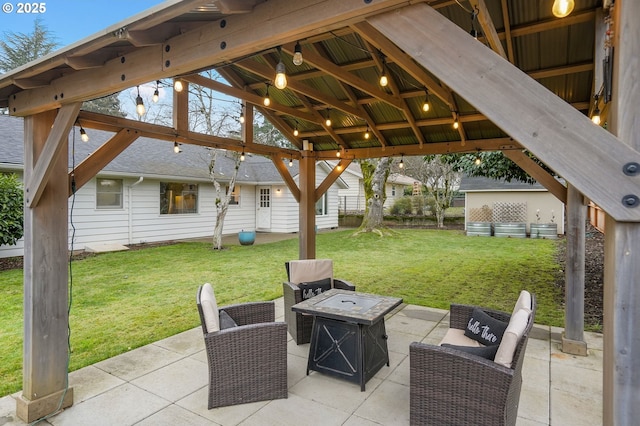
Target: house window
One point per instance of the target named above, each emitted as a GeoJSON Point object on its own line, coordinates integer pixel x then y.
{"type": "Point", "coordinates": [393, 190]}
{"type": "Point", "coordinates": [178, 198]}
{"type": "Point", "coordinates": [235, 195]}
{"type": "Point", "coordinates": [108, 193]}
{"type": "Point", "coordinates": [322, 204]}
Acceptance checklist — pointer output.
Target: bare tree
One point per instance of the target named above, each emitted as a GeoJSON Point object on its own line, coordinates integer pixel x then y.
{"type": "Point", "coordinates": [440, 177]}
{"type": "Point", "coordinates": [223, 195]}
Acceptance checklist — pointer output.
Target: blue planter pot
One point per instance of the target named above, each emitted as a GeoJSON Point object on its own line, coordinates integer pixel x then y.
{"type": "Point", "coordinates": [247, 238]}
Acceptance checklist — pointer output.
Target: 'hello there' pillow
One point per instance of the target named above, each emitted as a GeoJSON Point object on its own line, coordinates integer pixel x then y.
{"type": "Point", "coordinates": [484, 328]}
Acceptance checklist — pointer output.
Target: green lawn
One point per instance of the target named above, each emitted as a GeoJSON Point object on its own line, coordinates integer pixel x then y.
{"type": "Point", "coordinates": [125, 300]}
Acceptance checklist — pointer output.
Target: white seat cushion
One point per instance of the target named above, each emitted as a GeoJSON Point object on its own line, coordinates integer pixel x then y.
{"type": "Point", "coordinates": [511, 336]}
{"type": "Point", "coordinates": [523, 302]}
{"type": "Point", "coordinates": [310, 270]}
{"type": "Point", "coordinates": [209, 308]}
{"type": "Point", "coordinates": [456, 337]}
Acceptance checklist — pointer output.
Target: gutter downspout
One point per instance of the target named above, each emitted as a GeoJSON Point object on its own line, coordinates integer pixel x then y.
{"type": "Point", "coordinates": [130, 224]}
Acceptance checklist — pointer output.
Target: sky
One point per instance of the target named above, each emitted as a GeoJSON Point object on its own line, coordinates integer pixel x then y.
{"type": "Point", "coordinates": [69, 20]}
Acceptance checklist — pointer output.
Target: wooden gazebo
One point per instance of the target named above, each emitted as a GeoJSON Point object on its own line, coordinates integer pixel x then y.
{"type": "Point", "coordinates": [527, 82]}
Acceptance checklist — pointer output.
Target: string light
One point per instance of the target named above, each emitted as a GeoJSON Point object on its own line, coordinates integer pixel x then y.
{"type": "Point", "coordinates": [295, 130]}
{"type": "Point", "coordinates": [140, 109]}
{"type": "Point", "coordinates": [178, 86]}
{"type": "Point", "coordinates": [83, 135]}
{"type": "Point", "coordinates": [176, 148]}
{"type": "Point", "coordinates": [384, 81]}
{"type": "Point", "coordinates": [367, 135]}
{"type": "Point", "coordinates": [281, 73]}
{"type": "Point", "coordinates": [595, 118]}
{"type": "Point", "coordinates": [242, 155]}
{"type": "Point", "coordinates": [291, 162]}
{"type": "Point", "coordinates": [401, 164]}
{"type": "Point", "coordinates": [562, 8]}
{"type": "Point", "coordinates": [327, 122]}
{"type": "Point", "coordinates": [338, 154]}
{"type": "Point", "coordinates": [241, 119]}
{"type": "Point", "coordinates": [156, 93]}
{"type": "Point", "coordinates": [474, 32]}
{"type": "Point", "coordinates": [425, 104]}
{"type": "Point", "coordinates": [297, 54]}
{"type": "Point", "coordinates": [267, 100]}
{"type": "Point", "coordinates": [478, 160]}
{"type": "Point", "coordinates": [456, 123]}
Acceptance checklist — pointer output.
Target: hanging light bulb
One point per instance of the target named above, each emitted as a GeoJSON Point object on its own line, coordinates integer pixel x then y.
{"type": "Point", "coordinates": [242, 155]}
{"type": "Point", "coordinates": [338, 154]}
{"type": "Point", "coordinates": [367, 135]}
{"type": "Point", "coordinates": [456, 123]}
{"type": "Point", "coordinates": [176, 147]}
{"type": "Point", "coordinates": [281, 76]}
{"type": "Point", "coordinates": [297, 54]}
{"type": "Point", "coordinates": [83, 135]}
{"type": "Point", "coordinates": [474, 32]}
{"type": "Point", "coordinates": [156, 93]}
{"type": "Point", "coordinates": [296, 132]}
{"type": "Point", "coordinates": [562, 8]}
{"type": "Point", "coordinates": [327, 122]}
{"type": "Point", "coordinates": [425, 104]}
{"type": "Point", "coordinates": [401, 164]}
{"type": "Point", "coordinates": [478, 160]}
{"type": "Point", "coordinates": [595, 118]}
{"type": "Point", "coordinates": [291, 162]}
{"type": "Point", "coordinates": [241, 118]}
{"type": "Point", "coordinates": [384, 81]}
{"type": "Point", "coordinates": [139, 104]}
{"type": "Point", "coordinates": [267, 100]}
{"type": "Point", "coordinates": [178, 86]}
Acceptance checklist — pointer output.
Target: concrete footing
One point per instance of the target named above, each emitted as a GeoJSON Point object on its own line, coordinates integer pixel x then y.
{"type": "Point", "coordinates": [574, 347]}
{"type": "Point", "coordinates": [31, 410]}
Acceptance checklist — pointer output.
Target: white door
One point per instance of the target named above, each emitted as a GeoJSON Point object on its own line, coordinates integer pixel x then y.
{"type": "Point", "coordinates": [264, 207]}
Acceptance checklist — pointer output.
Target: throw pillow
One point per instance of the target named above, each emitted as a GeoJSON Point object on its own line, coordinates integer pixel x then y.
{"type": "Point", "coordinates": [226, 321]}
{"type": "Point", "coordinates": [314, 288]}
{"type": "Point", "coordinates": [484, 328]}
{"type": "Point", "coordinates": [488, 352]}
{"type": "Point", "coordinates": [523, 302]}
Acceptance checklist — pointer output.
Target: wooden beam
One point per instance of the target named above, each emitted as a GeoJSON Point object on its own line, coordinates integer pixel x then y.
{"type": "Point", "coordinates": [538, 173]}
{"type": "Point", "coordinates": [96, 161]}
{"type": "Point", "coordinates": [507, 30]}
{"type": "Point", "coordinates": [488, 28]}
{"type": "Point", "coordinates": [181, 108]}
{"type": "Point", "coordinates": [286, 176]}
{"type": "Point", "coordinates": [307, 215]}
{"type": "Point", "coordinates": [271, 24]}
{"type": "Point", "coordinates": [332, 177]}
{"type": "Point", "coordinates": [587, 156]}
{"type": "Point", "coordinates": [54, 147]}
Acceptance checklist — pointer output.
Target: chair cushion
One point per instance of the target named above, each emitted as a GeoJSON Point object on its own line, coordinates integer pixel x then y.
{"type": "Point", "coordinates": [488, 352]}
{"type": "Point", "coordinates": [307, 270]}
{"type": "Point", "coordinates": [209, 308]}
{"type": "Point", "coordinates": [226, 321]}
{"type": "Point", "coordinates": [511, 337]}
{"type": "Point", "coordinates": [313, 288]}
{"type": "Point", "coordinates": [484, 328]}
{"type": "Point", "coordinates": [523, 302]}
{"type": "Point", "coordinates": [456, 337]}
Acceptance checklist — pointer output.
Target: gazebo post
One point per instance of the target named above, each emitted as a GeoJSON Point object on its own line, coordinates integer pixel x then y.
{"type": "Point", "coordinates": [45, 356]}
{"type": "Point", "coordinates": [307, 247]}
{"type": "Point", "coordinates": [622, 239]}
{"type": "Point", "coordinates": [573, 336]}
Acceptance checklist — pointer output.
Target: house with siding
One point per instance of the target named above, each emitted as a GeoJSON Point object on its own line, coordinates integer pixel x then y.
{"type": "Point", "coordinates": [149, 193]}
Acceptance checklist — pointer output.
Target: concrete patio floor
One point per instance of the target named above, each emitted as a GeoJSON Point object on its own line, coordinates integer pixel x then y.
{"type": "Point", "coordinates": [165, 383]}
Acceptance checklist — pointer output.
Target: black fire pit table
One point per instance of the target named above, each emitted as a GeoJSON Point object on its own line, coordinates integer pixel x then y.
{"type": "Point", "coordinates": [348, 339]}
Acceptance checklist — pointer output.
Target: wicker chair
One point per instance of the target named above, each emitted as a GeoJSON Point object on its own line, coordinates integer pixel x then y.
{"type": "Point", "coordinates": [452, 387]}
{"type": "Point", "coordinates": [247, 362]}
{"type": "Point", "coordinates": [299, 271]}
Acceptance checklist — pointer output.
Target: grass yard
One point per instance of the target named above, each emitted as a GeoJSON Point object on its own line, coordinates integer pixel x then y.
{"type": "Point", "coordinates": [124, 300]}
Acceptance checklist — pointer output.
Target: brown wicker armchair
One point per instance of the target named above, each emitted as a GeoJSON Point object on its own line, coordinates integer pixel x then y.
{"type": "Point", "coordinates": [452, 387]}
{"type": "Point", "coordinates": [248, 360]}
{"type": "Point", "coordinates": [299, 271]}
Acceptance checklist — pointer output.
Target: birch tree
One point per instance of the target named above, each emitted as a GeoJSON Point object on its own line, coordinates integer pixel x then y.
{"type": "Point", "coordinates": [223, 194]}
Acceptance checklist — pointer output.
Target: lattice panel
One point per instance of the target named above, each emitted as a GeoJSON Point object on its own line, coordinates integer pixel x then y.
{"type": "Point", "coordinates": [509, 212]}
{"type": "Point", "coordinates": [482, 214]}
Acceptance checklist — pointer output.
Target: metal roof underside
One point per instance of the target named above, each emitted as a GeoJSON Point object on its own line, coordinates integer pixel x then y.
{"type": "Point", "coordinates": [558, 53]}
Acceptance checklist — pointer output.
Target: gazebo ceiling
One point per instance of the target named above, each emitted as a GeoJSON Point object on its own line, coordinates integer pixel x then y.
{"type": "Point", "coordinates": [339, 78]}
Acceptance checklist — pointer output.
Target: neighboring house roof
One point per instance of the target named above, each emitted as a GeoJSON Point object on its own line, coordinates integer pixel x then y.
{"type": "Point", "coordinates": [146, 156]}
{"type": "Point", "coordinates": [398, 179]}
{"type": "Point", "coordinates": [479, 184]}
